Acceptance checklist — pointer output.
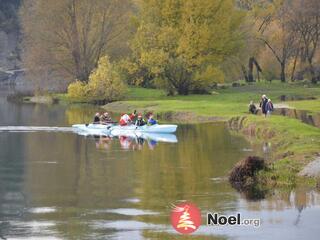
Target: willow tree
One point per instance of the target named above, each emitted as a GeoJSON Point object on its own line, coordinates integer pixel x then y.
{"type": "Point", "coordinates": [66, 38]}
{"type": "Point", "coordinates": [183, 42]}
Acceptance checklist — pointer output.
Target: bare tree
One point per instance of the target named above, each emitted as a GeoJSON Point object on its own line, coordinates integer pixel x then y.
{"type": "Point", "coordinates": [66, 38]}
{"type": "Point", "coordinates": [280, 38]}
{"type": "Point", "coordinates": [306, 22]}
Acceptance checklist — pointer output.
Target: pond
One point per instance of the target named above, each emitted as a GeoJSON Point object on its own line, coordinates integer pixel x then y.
{"type": "Point", "coordinates": [60, 185]}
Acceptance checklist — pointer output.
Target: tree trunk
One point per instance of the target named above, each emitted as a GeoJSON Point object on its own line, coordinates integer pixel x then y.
{"type": "Point", "coordinates": [182, 90]}
{"type": "Point", "coordinates": [294, 66]}
{"type": "Point", "coordinates": [244, 71]}
{"type": "Point", "coordinates": [312, 72]}
{"type": "Point", "coordinates": [75, 42]}
{"type": "Point", "coordinates": [250, 72]}
{"type": "Point", "coordinates": [283, 72]}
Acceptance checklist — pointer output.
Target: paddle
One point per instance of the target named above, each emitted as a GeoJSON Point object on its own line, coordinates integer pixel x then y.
{"type": "Point", "coordinates": [87, 124]}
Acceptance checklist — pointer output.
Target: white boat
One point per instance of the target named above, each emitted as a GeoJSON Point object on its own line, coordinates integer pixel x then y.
{"type": "Point", "coordinates": [92, 129]}
{"type": "Point", "coordinates": [163, 128]}
{"type": "Point", "coordinates": [101, 129]}
{"type": "Point", "coordinates": [159, 137]}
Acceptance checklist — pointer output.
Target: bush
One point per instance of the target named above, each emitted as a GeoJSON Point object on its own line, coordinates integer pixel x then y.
{"type": "Point", "coordinates": [77, 90]}
{"type": "Point", "coordinates": [104, 85]}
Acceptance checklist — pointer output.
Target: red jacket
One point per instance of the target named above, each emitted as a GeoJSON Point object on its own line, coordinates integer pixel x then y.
{"type": "Point", "coordinates": [126, 119]}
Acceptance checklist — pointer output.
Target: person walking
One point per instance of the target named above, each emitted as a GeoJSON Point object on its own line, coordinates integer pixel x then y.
{"type": "Point", "coordinates": [269, 107]}
{"type": "Point", "coordinates": [263, 104]}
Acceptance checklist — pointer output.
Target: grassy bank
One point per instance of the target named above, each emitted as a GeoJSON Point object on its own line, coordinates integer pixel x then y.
{"type": "Point", "coordinates": [294, 144]}
{"type": "Point", "coordinates": [223, 103]}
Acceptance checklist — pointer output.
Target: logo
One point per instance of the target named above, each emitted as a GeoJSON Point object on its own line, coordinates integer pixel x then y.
{"type": "Point", "coordinates": [214, 219]}
{"type": "Point", "coordinates": [185, 218]}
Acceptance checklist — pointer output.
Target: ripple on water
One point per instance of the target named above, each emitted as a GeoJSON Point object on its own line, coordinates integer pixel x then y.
{"type": "Point", "coordinates": [42, 210]}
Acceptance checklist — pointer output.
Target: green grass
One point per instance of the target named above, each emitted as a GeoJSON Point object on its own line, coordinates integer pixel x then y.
{"type": "Point", "coordinates": [226, 103]}
{"type": "Point", "coordinates": [310, 105]}
{"type": "Point", "coordinates": [138, 93]}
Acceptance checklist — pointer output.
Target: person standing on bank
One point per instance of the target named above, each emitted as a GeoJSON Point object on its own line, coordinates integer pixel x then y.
{"type": "Point", "coordinates": [269, 107]}
{"type": "Point", "coordinates": [263, 104]}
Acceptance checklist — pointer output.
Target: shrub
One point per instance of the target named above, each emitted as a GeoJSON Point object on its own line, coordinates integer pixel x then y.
{"type": "Point", "coordinates": [77, 90]}
{"type": "Point", "coordinates": [104, 85]}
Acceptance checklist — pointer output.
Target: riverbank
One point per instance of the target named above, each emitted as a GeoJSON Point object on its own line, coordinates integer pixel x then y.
{"type": "Point", "coordinates": [294, 143]}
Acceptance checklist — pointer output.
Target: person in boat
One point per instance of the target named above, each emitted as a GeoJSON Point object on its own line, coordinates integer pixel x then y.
{"type": "Point", "coordinates": [263, 104]}
{"type": "Point", "coordinates": [151, 120]}
{"type": "Point", "coordinates": [269, 107]}
{"type": "Point", "coordinates": [96, 119]}
{"type": "Point", "coordinates": [105, 118]}
{"type": "Point", "coordinates": [252, 108]}
{"type": "Point", "coordinates": [140, 121]}
{"type": "Point", "coordinates": [127, 119]}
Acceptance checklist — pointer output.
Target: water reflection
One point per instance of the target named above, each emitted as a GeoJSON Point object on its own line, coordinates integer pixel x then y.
{"type": "Point", "coordinates": [132, 142]}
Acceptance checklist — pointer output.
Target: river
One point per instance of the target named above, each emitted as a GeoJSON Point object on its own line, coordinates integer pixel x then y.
{"type": "Point", "coordinates": [60, 185]}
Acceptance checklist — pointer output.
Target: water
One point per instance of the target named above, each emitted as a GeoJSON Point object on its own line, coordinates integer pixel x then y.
{"type": "Point", "coordinates": [59, 185]}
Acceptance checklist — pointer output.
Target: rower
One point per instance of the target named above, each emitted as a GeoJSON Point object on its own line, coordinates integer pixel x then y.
{"type": "Point", "coordinates": [140, 121]}
{"type": "Point", "coordinates": [127, 119]}
{"type": "Point", "coordinates": [105, 118]}
{"type": "Point", "coordinates": [96, 119]}
{"type": "Point", "coordinates": [151, 120]}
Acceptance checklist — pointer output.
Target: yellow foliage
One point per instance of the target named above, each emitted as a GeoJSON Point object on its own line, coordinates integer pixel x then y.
{"type": "Point", "coordinates": [77, 90]}
{"type": "Point", "coordinates": [210, 75]}
{"type": "Point", "coordinates": [178, 38]}
{"type": "Point", "coordinates": [105, 84]}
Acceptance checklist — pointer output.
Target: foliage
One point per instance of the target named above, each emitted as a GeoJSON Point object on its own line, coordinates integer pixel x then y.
{"type": "Point", "coordinates": [77, 90]}
{"type": "Point", "coordinates": [179, 41]}
{"type": "Point", "coordinates": [105, 84]}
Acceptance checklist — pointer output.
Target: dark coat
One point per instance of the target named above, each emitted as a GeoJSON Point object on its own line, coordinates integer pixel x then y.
{"type": "Point", "coordinates": [140, 122]}
{"type": "Point", "coordinates": [263, 105]}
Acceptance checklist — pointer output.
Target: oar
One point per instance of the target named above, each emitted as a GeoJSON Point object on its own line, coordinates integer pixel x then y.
{"type": "Point", "coordinates": [87, 124]}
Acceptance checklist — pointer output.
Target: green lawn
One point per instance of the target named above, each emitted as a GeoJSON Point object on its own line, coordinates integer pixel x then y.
{"type": "Point", "coordinates": [224, 102]}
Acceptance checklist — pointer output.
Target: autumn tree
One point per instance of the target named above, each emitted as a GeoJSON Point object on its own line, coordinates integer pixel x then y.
{"type": "Point", "coordinates": [65, 39]}
{"type": "Point", "coordinates": [183, 43]}
{"type": "Point", "coordinates": [306, 23]}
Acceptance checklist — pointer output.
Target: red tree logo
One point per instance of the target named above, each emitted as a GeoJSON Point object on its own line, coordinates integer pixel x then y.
{"type": "Point", "coordinates": [186, 218]}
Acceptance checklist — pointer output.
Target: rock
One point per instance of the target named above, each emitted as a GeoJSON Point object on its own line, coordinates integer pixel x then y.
{"type": "Point", "coordinates": [246, 169]}
{"type": "Point", "coordinates": [312, 169]}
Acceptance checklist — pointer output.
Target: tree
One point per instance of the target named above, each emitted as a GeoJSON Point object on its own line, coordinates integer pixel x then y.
{"type": "Point", "coordinates": [279, 37]}
{"type": "Point", "coordinates": [178, 41]}
{"type": "Point", "coordinates": [306, 22]}
{"type": "Point", "coordinates": [66, 38]}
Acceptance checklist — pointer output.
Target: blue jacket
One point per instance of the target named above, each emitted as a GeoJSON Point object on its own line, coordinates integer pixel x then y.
{"type": "Point", "coordinates": [152, 121]}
